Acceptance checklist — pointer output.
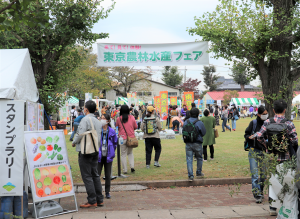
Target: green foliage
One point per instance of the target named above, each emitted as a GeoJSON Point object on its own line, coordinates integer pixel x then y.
{"type": "Point", "coordinates": [203, 94]}
{"type": "Point", "coordinates": [210, 77]}
{"type": "Point", "coordinates": [228, 95]}
{"type": "Point", "coordinates": [171, 76]}
{"type": "Point", "coordinates": [54, 54]}
{"type": "Point", "coordinates": [239, 74]}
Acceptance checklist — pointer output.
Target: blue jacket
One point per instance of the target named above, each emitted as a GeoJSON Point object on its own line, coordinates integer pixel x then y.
{"type": "Point", "coordinates": [111, 146]}
{"type": "Point", "coordinates": [199, 126]}
{"type": "Point", "coordinates": [79, 118]}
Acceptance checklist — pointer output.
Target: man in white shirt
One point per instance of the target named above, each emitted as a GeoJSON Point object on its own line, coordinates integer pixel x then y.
{"type": "Point", "coordinates": [74, 113]}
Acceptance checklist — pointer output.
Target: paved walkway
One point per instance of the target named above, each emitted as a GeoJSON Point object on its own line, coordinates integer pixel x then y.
{"type": "Point", "coordinates": [190, 202]}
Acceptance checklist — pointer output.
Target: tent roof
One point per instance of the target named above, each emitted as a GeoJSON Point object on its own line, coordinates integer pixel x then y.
{"type": "Point", "coordinates": [73, 100]}
{"type": "Point", "coordinates": [16, 74]}
{"type": "Point", "coordinates": [245, 101]}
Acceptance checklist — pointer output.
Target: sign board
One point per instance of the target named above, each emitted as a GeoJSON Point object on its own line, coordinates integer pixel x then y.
{"type": "Point", "coordinates": [169, 54]}
{"type": "Point", "coordinates": [40, 117]}
{"type": "Point", "coordinates": [219, 102]}
{"type": "Point", "coordinates": [88, 96]}
{"type": "Point", "coordinates": [163, 104]}
{"type": "Point", "coordinates": [11, 147]}
{"type": "Point", "coordinates": [64, 112]}
{"type": "Point", "coordinates": [188, 98]}
{"type": "Point", "coordinates": [173, 101]}
{"type": "Point", "coordinates": [31, 116]}
{"type": "Point", "coordinates": [48, 165]}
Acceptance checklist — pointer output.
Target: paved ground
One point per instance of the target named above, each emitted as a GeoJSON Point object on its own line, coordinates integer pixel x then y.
{"type": "Point", "coordinates": [190, 202]}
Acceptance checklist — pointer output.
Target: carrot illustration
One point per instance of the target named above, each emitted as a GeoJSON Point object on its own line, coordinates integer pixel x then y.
{"type": "Point", "coordinates": [38, 156]}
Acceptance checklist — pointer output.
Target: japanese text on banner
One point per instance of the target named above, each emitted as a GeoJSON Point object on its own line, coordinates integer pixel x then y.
{"type": "Point", "coordinates": [188, 99]}
{"type": "Point", "coordinates": [164, 104]}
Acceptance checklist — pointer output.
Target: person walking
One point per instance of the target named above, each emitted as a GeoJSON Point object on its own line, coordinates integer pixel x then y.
{"type": "Point", "coordinates": [235, 117]}
{"type": "Point", "coordinates": [76, 124]}
{"type": "Point", "coordinates": [152, 139]}
{"type": "Point", "coordinates": [217, 115]}
{"type": "Point", "coordinates": [256, 154]}
{"type": "Point", "coordinates": [251, 109]}
{"type": "Point", "coordinates": [127, 125]}
{"type": "Point", "coordinates": [108, 145]}
{"type": "Point", "coordinates": [225, 118]}
{"type": "Point", "coordinates": [192, 148]}
{"type": "Point", "coordinates": [88, 164]}
{"type": "Point", "coordinates": [209, 139]}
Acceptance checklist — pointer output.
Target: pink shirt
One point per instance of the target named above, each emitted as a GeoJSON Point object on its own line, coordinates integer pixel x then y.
{"type": "Point", "coordinates": [130, 126]}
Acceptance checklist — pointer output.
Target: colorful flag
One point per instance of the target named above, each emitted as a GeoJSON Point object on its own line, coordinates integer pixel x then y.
{"type": "Point", "coordinates": [164, 104]}
{"type": "Point", "coordinates": [188, 99]}
{"type": "Point", "coordinates": [173, 101]}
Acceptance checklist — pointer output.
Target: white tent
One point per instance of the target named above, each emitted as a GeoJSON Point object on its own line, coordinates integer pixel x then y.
{"type": "Point", "coordinates": [17, 80]}
{"type": "Point", "coordinates": [296, 100]}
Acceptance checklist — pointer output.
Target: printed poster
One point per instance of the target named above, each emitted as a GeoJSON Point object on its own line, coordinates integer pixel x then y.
{"type": "Point", "coordinates": [188, 99]}
{"type": "Point", "coordinates": [173, 101]}
{"type": "Point", "coordinates": [11, 147]}
{"type": "Point", "coordinates": [48, 164]}
{"type": "Point", "coordinates": [129, 99]}
{"type": "Point", "coordinates": [163, 104]}
{"type": "Point", "coordinates": [31, 117]}
{"type": "Point", "coordinates": [88, 96]}
{"type": "Point", "coordinates": [64, 112]}
{"type": "Point", "coordinates": [41, 117]}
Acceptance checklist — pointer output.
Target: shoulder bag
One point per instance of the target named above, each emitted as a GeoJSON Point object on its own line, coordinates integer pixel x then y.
{"type": "Point", "coordinates": [89, 143]}
{"type": "Point", "coordinates": [216, 133]}
{"type": "Point", "coordinates": [130, 142]}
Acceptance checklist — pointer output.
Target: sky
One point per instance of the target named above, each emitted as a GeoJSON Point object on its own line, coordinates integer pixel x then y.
{"type": "Point", "coordinates": [158, 21]}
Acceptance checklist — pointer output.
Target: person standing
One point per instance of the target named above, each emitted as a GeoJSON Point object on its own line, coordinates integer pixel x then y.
{"type": "Point", "coordinates": [251, 109]}
{"type": "Point", "coordinates": [108, 145]}
{"type": "Point", "coordinates": [209, 139]}
{"type": "Point", "coordinates": [103, 110]}
{"type": "Point", "coordinates": [256, 154]}
{"type": "Point", "coordinates": [217, 115]}
{"type": "Point", "coordinates": [235, 117]}
{"type": "Point", "coordinates": [76, 124]}
{"type": "Point", "coordinates": [192, 148]}
{"type": "Point", "coordinates": [127, 125]}
{"type": "Point", "coordinates": [152, 139]}
{"type": "Point", "coordinates": [225, 118]}
{"type": "Point", "coordinates": [135, 112]}
{"type": "Point", "coordinates": [97, 115]}
{"type": "Point", "coordinates": [183, 110]}
{"type": "Point", "coordinates": [88, 164]}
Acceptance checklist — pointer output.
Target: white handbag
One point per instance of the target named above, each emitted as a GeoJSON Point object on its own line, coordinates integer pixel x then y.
{"type": "Point", "coordinates": [89, 142]}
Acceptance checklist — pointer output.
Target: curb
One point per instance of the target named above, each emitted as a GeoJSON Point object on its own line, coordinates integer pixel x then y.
{"type": "Point", "coordinates": [178, 183]}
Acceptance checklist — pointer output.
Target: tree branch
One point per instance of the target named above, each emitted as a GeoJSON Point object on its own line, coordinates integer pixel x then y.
{"type": "Point", "coordinates": [8, 6]}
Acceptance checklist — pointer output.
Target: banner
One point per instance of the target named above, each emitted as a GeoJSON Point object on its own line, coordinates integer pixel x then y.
{"type": "Point", "coordinates": [31, 116]}
{"type": "Point", "coordinates": [173, 101]}
{"type": "Point", "coordinates": [48, 165]}
{"type": "Point", "coordinates": [169, 54]}
{"type": "Point", "coordinates": [129, 99]}
{"type": "Point", "coordinates": [64, 112]}
{"type": "Point", "coordinates": [134, 100]}
{"type": "Point", "coordinates": [188, 99]}
{"type": "Point", "coordinates": [11, 147]}
{"type": "Point", "coordinates": [163, 104]}
{"type": "Point", "coordinates": [88, 96]}
{"type": "Point", "coordinates": [198, 105]}
{"type": "Point", "coordinates": [41, 117]}
{"type": "Point", "coordinates": [219, 102]}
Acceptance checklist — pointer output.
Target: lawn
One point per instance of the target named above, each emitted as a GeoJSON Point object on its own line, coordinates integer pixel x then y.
{"type": "Point", "coordinates": [230, 158]}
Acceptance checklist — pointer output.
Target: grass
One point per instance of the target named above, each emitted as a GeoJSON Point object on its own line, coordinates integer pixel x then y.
{"type": "Point", "coordinates": [230, 158]}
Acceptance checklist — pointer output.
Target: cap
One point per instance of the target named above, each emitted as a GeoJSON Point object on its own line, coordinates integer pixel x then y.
{"type": "Point", "coordinates": [150, 109]}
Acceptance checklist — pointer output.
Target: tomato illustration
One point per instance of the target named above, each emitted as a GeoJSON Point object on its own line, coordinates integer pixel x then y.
{"type": "Point", "coordinates": [49, 147]}
{"type": "Point", "coordinates": [56, 180]}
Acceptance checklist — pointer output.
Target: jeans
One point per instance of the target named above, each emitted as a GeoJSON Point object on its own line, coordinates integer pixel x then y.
{"type": "Point", "coordinates": [149, 144]}
{"type": "Point", "coordinates": [224, 124]}
{"type": "Point", "coordinates": [175, 125]}
{"type": "Point", "coordinates": [107, 172]}
{"type": "Point", "coordinates": [251, 115]}
{"type": "Point", "coordinates": [233, 124]}
{"type": "Point", "coordinates": [191, 148]}
{"type": "Point", "coordinates": [76, 124]}
{"type": "Point", "coordinates": [255, 158]}
{"type": "Point", "coordinates": [211, 149]}
{"type": "Point", "coordinates": [90, 177]}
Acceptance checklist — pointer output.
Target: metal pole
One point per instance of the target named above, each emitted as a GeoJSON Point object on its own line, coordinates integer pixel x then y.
{"type": "Point", "coordinates": [184, 74]}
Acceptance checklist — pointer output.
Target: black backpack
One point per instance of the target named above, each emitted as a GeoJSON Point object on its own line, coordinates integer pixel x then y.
{"type": "Point", "coordinates": [190, 132]}
{"type": "Point", "coordinates": [276, 133]}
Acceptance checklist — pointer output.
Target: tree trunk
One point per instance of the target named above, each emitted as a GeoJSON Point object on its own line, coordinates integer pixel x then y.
{"type": "Point", "coordinates": [242, 87]}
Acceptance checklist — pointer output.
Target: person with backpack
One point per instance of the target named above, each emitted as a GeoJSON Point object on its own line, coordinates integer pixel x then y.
{"type": "Point", "coordinates": [256, 154]}
{"type": "Point", "coordinates": [192, 134]}
{"type": "Point", "coordinates": [278, 127]}
{"type": "Point", "coordinates": [209, 139]}
{"type": "Point", "coordinates": [135, 112]}
{"type": "Point", "coordinates": [217, 116]}
{"type": "Point", "coordinates": [76, 124]}
{"type": "Point", "coordinates": [108, 145]}
{"type": "Point", "coordinates": [151, 127]}
{"type": "Point", "coordinates": [88, 163]}
{"type": "Point", "coordinates": [224, 117]}
{"type": "Point", "coordinates": [234, 117]}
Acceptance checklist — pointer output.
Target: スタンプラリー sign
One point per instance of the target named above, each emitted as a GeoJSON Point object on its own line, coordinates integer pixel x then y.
{"type": "Point", "coordinates": [116, 54]}
{"type": "Point", "coordinates": [11, 147]}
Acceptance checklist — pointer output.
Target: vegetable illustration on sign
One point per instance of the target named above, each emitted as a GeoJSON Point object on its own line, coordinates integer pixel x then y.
{"type": "Point", "coordinates": [49, 147]}
{"type": "Point", "coordinates": [56, 180]}
{"type": "Point", "coordinates": [49, 139]}
{"type": "Point", "coordinates": [47, 181]}
{"type": "Point", "coordinates": [37, 174]}
{"type": "Point", "coordinates": [56, 139]}
{"type": "Point", "coordinates": [38, 156]}
{"type": "Point", "coordinates": [61, 169]}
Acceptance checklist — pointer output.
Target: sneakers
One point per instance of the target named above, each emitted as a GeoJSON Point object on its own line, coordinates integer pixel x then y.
{"type": "Point", "coordinates": [148, 166]}
{"type": "Point", "coordinates": [200, 175]}
{"type": "Point", "coordinates": [233, 129]}
{"type": "Point", "coordinates": [191, 178]}
{"type": "Point", "coordinates": [273, 212]}
{"type": "Point", "coordinates": [258, 199]}
{"type": "Point", "coordinates": [88, 205]}
{"type": "Point", "coordinates": [205, 160]}
{"type": "Point", "coordinates": [132, 170]}
{"type": "Point", "coordinates": [157, 164]}
{"type": "Point", "coordinates": [108, 195]}
{"type": "Point", "coordinates": [211, 158]}
{"type": "Point", "coordinates": [230, 130]}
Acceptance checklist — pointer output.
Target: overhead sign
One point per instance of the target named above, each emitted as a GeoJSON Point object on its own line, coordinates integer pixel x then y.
{"type": "Point", "coordinates": [11, 147]}
{"type": "Point", "coordinates": [170, 54]}
{"type": "Point", "coordinates": [48, 165]}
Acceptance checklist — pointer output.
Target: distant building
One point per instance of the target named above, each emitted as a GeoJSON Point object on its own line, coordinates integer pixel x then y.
{"type": "Point", "coordinates": [230, 84]}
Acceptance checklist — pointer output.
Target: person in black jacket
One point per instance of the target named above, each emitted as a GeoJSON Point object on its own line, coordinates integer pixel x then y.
{"type": "Point", "coordinates": [256, 154]}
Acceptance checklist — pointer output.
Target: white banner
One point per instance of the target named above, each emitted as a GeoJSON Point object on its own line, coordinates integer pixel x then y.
{"type": "Point", "coordinates": [31, 116]}
{"type": "Point", "coordinates": [64, 112]}
{"type": "Point", "coordinates": [170, 54]}
{"type": "Point", "coordinates": [41, 117]}
{"type": "Point", "coordinates": [48, 164]}
{"type": "Point", "coordinates": [11, 147]}
{"type": "Point", "coordinates": [219, 102]}
{"type": "Point", "coordinates": [88, 96]}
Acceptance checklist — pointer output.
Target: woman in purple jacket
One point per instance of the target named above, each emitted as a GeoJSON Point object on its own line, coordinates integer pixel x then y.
{"type": "Point", "coordinates": [107, 149]}
{"type": "Point", "coordinates": [183, 110]}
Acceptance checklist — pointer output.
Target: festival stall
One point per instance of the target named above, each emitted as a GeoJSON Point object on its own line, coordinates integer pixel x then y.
{"type": "Point", "coordinates": [245, 101]}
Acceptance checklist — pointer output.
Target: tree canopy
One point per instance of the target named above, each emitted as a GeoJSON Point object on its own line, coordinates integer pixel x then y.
{"type": "Point", "coordinates": [210, 77]}
{"type": "Point", "coordinates": [239, 74]}
{"type": "Point", "coordinates": [229, 94]}
{"type": "Point", "coordinates": [171, 76]}
{"type": "Point", "coordinates": [263, 34]}
{"type": "Point", "coordinates": [191, 85]}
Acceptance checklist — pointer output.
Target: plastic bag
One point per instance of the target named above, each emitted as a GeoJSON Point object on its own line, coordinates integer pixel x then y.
{"type": "Point", "coordinates": [289, 207]}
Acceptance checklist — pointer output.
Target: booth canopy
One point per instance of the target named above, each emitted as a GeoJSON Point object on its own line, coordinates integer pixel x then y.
{"type": "Point", "coordinates": [296, 99]}
{"type": "Point", "coordinates": [73, 100]}
{"type": "Point", "coordinates": [245, 101]}
{"type": "Point", "coordinates": [17, 80]}
{"type": "Point", "coordinates": [121, 101]}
